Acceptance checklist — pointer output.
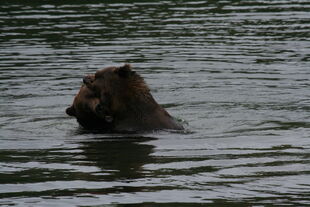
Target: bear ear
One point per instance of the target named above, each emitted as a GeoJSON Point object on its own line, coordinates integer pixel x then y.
{"type": "Point", "coordinates": [124, 71]}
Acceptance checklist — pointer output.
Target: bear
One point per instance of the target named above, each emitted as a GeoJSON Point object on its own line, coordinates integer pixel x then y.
{"type": "Point", "coordinates": [84, 109]}
{"type": "Point", "coordinates": [125, 102]}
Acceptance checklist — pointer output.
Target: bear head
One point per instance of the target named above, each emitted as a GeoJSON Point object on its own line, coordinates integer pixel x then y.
{"type": "Point", "coordinates": [87, 109]}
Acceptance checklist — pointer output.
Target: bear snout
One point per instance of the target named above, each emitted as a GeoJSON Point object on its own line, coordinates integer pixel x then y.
{"type": "Point", "coordinates": [71, 111]}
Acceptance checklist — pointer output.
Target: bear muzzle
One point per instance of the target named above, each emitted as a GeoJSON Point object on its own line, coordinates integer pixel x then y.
{"type": "Point", "coordinates": [71, 111]}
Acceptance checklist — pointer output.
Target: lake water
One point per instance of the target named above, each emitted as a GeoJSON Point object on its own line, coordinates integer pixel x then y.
{"type": "Point", "coordinates": [236, 72]}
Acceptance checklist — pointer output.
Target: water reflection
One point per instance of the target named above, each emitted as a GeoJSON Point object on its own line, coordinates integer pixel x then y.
{"type": "Point", "coordinates": [121, 158]}
{"type": "Point", "coordinates": [105, 165]}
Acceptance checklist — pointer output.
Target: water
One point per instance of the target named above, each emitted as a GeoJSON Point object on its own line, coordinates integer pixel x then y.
{"type": "Point", "coordinates": [236, 71]}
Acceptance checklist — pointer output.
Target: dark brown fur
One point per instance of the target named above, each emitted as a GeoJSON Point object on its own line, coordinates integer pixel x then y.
{"type": "Point", "coordinates": [84, 108]}
{"type": "Point", "coordinates": [126, 99]}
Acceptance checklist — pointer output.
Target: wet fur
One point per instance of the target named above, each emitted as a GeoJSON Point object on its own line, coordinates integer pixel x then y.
{"type": "Point", "coordinates": [121, 94]}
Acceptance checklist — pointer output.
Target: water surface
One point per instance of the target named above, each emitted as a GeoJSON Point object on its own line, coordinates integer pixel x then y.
{"type": "Point", "coordinates": [236, 71]}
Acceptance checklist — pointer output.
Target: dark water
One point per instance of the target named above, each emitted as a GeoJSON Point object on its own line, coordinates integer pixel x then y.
{"type": "Point", "coordinates": [237, 72]}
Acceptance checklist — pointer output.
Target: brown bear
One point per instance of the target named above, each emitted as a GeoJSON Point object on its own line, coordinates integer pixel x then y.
{"type": "Point", "coordinates": [126, 103]}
